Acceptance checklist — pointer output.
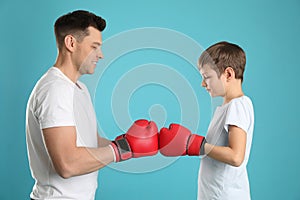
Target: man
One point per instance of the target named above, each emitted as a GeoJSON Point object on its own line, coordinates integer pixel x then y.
{"type": "Point", "coordinates": [64, 148]}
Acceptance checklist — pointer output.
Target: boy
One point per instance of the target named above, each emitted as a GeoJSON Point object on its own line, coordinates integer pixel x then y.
{"type": "Point", "coordinates": [222, 173]}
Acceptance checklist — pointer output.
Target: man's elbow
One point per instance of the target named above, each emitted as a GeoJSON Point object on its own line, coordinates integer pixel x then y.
{"type": "Point", "coordinates": [64, 171]}
{"type": "Point", "coordinates": [64, 174]}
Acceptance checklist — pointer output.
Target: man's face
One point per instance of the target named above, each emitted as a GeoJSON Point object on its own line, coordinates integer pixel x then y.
{"type": "Point", "coordinates": [88, 51]}
{"type": "Point", "coordinates": [211, 82]}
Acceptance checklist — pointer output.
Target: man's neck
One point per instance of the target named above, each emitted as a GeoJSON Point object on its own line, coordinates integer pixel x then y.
{"type": "Point", "coordinates": [67, 68]}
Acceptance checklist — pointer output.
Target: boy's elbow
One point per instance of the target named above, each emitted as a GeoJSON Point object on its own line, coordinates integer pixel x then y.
{"type": "Point", "coordinates": [237, 161]}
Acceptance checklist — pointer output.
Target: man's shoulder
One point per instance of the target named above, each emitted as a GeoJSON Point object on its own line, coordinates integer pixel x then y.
{"type": "Point", "coordinates": [52, 81]}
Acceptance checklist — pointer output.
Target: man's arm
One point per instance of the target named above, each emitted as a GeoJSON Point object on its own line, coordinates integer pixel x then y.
{"type": "Point", "coordinates": [102, 142]}
{"type": "Point", "coordinates": [70, 160]}
{"type": "Point", "coordinates": [235, 152]}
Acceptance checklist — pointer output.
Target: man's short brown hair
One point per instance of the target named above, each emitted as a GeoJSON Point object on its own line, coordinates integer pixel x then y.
{"type": "Point", "coordinates": [76, 23]}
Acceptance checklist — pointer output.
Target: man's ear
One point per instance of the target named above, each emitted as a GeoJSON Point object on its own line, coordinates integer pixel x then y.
{"type": "Point", "coordinates": [229, 73]}
{"type": "Point", "coordinates": [70, 43]}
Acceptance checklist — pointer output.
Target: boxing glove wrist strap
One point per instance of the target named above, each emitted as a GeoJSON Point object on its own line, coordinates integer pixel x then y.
{"type": "Point", "coordinates": [202, 149]}
{"type": "Point", "coordinates": [122, 149]}
{"type": "Point", "coordinates": [195, 145]}
{"type": "Point", "coordinates": [113, 151]}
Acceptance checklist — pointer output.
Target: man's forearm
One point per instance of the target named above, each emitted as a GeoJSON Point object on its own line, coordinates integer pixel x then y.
{"type": "Point", "coordinates": [103, 142]}
{"type": "Point", "coordinates": [87, 160]}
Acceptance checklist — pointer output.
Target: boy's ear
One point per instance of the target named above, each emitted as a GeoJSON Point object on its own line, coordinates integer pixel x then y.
{"type": "Point", "coordinates": [229, 73]}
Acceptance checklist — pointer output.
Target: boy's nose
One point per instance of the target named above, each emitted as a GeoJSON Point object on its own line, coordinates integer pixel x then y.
{"type": "Point", "coordinates": [203, 84]}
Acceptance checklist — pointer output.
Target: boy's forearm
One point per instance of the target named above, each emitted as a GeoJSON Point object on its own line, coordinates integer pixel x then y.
{"type": "Point", "coordinates": [223, 154]}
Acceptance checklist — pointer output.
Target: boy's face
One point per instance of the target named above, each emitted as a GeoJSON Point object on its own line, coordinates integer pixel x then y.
{"type": "Point", "coordinates": [211, 82]}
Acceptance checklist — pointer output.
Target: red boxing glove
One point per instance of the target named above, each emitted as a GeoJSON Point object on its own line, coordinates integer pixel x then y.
{"type": "Point", "coordinates": [179, 141]}
{"type": "Point", "coordinates": [140, 140]}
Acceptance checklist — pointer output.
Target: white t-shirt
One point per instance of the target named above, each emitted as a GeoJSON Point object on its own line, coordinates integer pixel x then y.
{"type": "Point", "coordinates": [217, 180]}
{"type": "Point", "coordinates": [54, 102]}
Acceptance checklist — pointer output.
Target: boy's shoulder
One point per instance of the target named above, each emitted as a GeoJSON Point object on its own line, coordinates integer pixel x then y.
{"type": "Point", "coordinates": [241, 104]}
{"type": "Point", "coordinates": [241, 99]}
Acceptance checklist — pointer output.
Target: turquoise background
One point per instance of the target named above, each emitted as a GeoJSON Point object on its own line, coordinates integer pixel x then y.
{"type": "Point", "coordinates": [267, 30]}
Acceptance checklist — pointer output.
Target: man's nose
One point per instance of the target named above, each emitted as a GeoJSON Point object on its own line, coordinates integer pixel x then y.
{"type": "Point", "coordinates": [100, 54]}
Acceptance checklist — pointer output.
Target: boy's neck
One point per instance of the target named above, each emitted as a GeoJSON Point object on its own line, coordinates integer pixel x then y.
{"type": "Point", "coordinates": [233, 90]}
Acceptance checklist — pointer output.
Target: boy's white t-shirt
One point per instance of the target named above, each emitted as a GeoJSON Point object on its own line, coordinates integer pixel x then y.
{"type": "Point", "coordinates": [54, 102]}
{"type": "Point", "coordinates": [217, 180]}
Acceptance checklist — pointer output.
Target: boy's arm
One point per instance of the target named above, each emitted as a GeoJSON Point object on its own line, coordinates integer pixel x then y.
{"type": "Point", "coordinates": [235, 152]}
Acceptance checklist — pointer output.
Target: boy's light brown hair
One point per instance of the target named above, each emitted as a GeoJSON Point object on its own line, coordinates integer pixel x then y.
{"type": "Point", "coordinates": [222, 55]}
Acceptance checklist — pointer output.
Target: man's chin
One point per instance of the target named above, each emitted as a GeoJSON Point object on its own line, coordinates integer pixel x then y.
{"type": "Point", "coordinates": [90, 70]}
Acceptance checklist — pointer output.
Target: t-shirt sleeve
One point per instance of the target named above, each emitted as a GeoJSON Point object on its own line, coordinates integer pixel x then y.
{"type": "Point", "coordinates": [238, 115]}
{"type": "Point", "coordinates": [55, 107]}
